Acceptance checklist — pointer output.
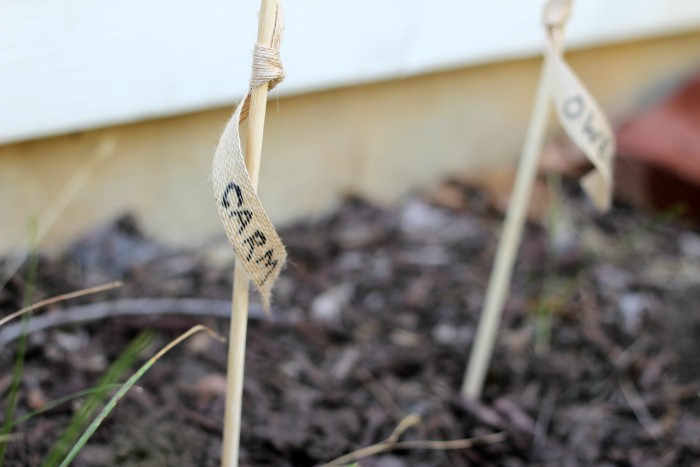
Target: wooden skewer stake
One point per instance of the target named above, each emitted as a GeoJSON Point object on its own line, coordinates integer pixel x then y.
{"type": "Point", "coordinates": [511, 237]}
{"type": "Point", "coordinates": [239, 305]}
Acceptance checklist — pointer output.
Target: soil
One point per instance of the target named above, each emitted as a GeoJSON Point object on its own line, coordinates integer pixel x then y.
{"type": "Point", "coordinates": [373, 320]}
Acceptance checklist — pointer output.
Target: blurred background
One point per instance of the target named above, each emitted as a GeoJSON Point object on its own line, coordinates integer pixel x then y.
{"type": "Point", "coordinates": [381, 97]}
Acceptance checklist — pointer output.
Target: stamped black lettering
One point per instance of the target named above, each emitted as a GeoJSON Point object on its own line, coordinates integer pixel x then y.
{"type": "Point", "coordinates": [257, 239]}
{"type": "Point", "coordinates": [596, 136]}
{"type": "Point", "coordinates": [239, 195]}
{"type": "Point", "coordinates": [244, 217]}
{"type": "Point", "coordinates": [573, 107]}
{"type": "Point", "coordinates": [270, 262]}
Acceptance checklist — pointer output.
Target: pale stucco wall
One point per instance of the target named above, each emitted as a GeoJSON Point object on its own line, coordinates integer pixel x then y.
{"type": "Point", "coordinates": [380, 140]}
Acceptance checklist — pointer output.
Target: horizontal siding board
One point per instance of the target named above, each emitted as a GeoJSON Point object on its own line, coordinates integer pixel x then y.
{"type": "Point", "coordinates": [80, 64]}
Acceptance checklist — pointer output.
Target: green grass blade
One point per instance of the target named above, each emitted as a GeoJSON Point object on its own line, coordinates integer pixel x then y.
{"type": "Point", "coordinates": [92, 404]}
{"type": "Point", "coordinates": [18, 369]}
{"type": "Point", "coordinates": [61, 400]}
{"type": "Point", "coordinates": [10, 437]}
{"type": "Point", "coordinates": [126, 387]}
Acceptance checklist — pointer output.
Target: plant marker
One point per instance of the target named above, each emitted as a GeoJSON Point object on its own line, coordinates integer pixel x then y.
{"type": "Point", "coordinates": [259, 252]}
{"type": "Point", "coordinates": [583, 121]}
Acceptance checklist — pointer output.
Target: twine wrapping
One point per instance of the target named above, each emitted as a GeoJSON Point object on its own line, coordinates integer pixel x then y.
{"type": "Point", "coordinates": [248, 228]}
{"type": "Point", "coordinates": [578, 113]}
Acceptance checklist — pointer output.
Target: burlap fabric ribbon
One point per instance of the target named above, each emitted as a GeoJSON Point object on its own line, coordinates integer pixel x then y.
{"type": "Point", "coordinates": [255, 241]}
{"type": "Point", "coordinates": [578, 113]}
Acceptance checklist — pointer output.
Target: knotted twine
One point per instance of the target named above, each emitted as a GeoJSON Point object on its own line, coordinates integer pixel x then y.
{"type": "Point", "coordinates": [248, 228]}
{"type": "Point", "coordinates": [578, 113]}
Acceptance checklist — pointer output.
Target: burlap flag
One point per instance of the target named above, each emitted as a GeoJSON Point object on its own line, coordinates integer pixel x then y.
{"type": "Point", "coordinates": [255, 241]}
{"type": "Point", "coordinates": [578, 113]}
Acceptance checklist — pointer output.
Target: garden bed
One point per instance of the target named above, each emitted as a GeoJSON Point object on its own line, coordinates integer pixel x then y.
{"type": "Point", "coordinates": [373, 319]}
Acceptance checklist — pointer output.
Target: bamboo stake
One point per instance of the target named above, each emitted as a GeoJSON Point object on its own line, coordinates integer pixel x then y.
{"type": "Point", "coordinates": [511, 237]}
{"type": "Point", "coordinates": [239, 304]}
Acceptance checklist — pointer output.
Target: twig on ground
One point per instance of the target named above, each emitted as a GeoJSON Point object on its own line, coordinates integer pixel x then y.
{"type": "Point", "coordinates": [380, 393]}
{"type": "Point", "coordinates": [539, 440]}
{"type": "Point", "coordinates": [393, 444]}
{"type": "Point", "coordinates": [212, 425]}
{"type": "Point", "coordinates": [128, 307]}
{"type": "Point", "coordinates": [592, 324]}
{"type": "Point", "coordinates": [60, 298]}
{"type": "Point", "coordinates": [636, 403]}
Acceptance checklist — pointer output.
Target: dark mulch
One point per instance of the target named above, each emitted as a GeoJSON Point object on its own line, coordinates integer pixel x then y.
{"type": "Point", "coordinates": [374, 318]}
